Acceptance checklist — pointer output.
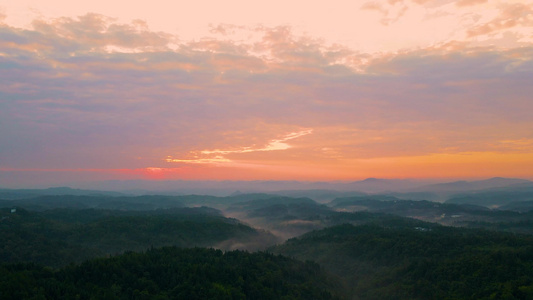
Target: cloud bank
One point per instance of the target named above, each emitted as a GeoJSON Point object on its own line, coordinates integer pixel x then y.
{"type": "Point", "coordinates": [92, 93]}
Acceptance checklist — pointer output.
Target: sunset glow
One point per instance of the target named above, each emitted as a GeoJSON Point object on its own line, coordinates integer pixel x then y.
{"type": "Point", "coordinates": [232, 90]}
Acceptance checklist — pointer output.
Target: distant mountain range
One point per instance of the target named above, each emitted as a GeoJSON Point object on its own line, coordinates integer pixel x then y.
{"type": "Point", "coordinates": [282, 187]}
{"type": "Point", "coordinates": [463, 186]}
{"type": "Point", "coordinates": [321, 191]}
{"type": "Point", "coordinates": [53, 191]}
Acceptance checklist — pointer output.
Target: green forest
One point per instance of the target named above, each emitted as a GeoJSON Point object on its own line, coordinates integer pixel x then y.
{"type": "Point", "coordinates": [409, 259]}
{"type": "Point", "coordinates": [171, 273]}
{"type": "Point", "coordinates": [260, 246]}
{"type": "Point", "coordinates": [62, 236]}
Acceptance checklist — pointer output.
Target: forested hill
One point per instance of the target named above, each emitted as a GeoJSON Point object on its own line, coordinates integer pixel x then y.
{"type": "Point", "coordinates": [171, 273]}
{"type": "Point", "coordinates": [409, 259]}
{"type": "Point", "coordinates": [62, 236]}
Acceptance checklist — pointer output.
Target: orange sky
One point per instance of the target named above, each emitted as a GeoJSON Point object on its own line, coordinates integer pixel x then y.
{"type": "Point", "coordinates": [338, 90]}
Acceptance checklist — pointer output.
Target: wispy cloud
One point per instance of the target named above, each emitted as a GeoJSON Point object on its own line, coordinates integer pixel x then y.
{"type": "Point", "coordinates": [391, 11]}
{"type": "Point", "coordinates": [521, 145]}
{"type": "Point", "coordinates": [512, 15]}
{"type": "Point", "coordinates": [470, 2]}
{"type": "Point", "coordinates": [219, 156]}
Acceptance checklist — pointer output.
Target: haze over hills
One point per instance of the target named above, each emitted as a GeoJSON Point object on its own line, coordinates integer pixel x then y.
{"type": "Point", "coordinates": [227, 187]}
{"type": "Point", "coordinates": [417, 189]}
{"type": "Point", "coordinates": [53, 191]}
{"type": "Point", "coordinates": [403, 239]}
{"type": "Point", "coordinates": [410, 259]}
{"type": "Point", "coordinates": [463, 186]}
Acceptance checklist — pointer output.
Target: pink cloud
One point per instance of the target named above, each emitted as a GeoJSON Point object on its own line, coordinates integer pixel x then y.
{"type": "Point", "coordinates": [68, 103]}
{"type": "Point", "coordinates": [99, 31]}
{"type": "Point", "coordinates": [511, 15]}
{"type": "Point", "coordinates": [391, 12]}
{"type": "Point", "coordinates": [470, 2]}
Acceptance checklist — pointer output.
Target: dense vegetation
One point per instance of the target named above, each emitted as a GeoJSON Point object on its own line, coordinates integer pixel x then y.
{"type": "Point", "coordinates": [409, 259]}
{"type": "Point", "coordinates": [171, 273]}
{"type": "Point", "coordinates": [376, 252]}
{"type": "Point", "coordinates": [58, 237]}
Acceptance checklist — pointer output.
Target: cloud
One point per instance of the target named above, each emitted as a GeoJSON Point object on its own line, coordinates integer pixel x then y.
{"type": "Point", "coordinates": [469, 2]}
{"type": "Point", "coordinates": [390, 12]}
{"type": "Point", "coordinates": [521, 145]}
{"type": "Point", "coordinates": [69, 100]}
{"type": "Point", "coordinates": [94, 32]}
{"type": "Point", "coordinates": [219, 156]}
{"type": "Point", "coordinates": [510, 16]}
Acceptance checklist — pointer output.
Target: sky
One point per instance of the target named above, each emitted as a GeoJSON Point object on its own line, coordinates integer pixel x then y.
{"type": "Point", "coordinates": [264, 90]}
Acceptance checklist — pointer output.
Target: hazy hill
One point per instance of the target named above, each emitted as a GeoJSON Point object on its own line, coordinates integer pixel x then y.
{"type": "Point", "coordinates": [58, 237]}
{"type": "Point", "coordinates": [284, 216]}
{"type": "Point", "coordinates": [145, 202]}
{"type": "Point", "coordinates": [464, 186]}
{"type": "Point", "coordinates": [347, 201]}
{"type": "Point", "coordinates": [409, 259]}
{"type": "Point", "coordinates": [464, 215]}
{"type": "Point", "coordinates": [421, 209]}
{"type": "Point", "coordinates": [520, 206]}
{"type": "Point", "coordinates": [264, 202]}
{"type": "Point", "coordinates": [378, 185]}
{"type": "Point", "coordinates": [321, 191]}
{"type": "Point", "coordinates": [496, 197]}
{"type": "Point", "coordinates": [228, 187]}
{"type": "Point", "coordinates": [54, 191]}
{"type": "Point", "coordinates": [289, 217]}
{"type": "Point", "coordinates": [318, 195]}
{"type": "Point", "coordinates": [101, 202]}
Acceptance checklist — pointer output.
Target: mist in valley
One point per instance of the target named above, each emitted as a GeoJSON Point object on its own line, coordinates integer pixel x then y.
{"type": "Point", "coordinates": [358, 236]}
